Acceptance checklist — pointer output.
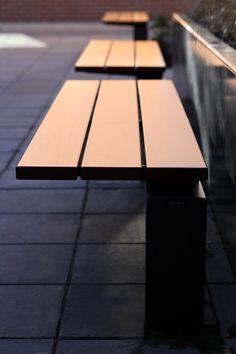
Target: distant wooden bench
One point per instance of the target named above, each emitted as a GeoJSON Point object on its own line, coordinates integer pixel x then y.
{"type": "Point", "coordinates": [137, 130]}
{"type": "Point", "coordinates": [137, 19]}
{"type": "Point", "coordinates": [127, 57]}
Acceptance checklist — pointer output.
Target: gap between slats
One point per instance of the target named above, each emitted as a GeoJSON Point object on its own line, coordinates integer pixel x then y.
{"type": "Point", "coordinates": [106, 157]}
{"type": "Point", "coordinates": [141, 135]}
{"type": "Point", "coordinates": [88, 129]}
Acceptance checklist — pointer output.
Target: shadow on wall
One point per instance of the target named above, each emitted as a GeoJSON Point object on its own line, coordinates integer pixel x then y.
{"type": "Point", "coordinates": [212, 87]}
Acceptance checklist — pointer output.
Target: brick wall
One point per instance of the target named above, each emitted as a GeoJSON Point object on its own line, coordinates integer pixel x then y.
{"type": "Point", "coordinates": [84, 10]}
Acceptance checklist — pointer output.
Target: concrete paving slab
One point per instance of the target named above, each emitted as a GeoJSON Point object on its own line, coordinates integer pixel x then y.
{"type": "Point", "coordinates": [213, 234]}
{"type": "Point", "coordinates": [224, 201]}
{"type": "Point", "coordinates": [15, 112]}
{"type": "Point", "coordinates": [72, 44]}
{"type": "Point", "coordinates": [15, 161]}
{"type": "Point", "coordinates": [217, 265]}
{"type": "Point", "coordinates": [224, 300]}
{"type": "Point", "coordinates": [40, 86]}
{"type": "Point", "coordinates": [168, 349]}
{"type": "Point", "coordinates": [13, 133]}
{"type": "Point", "coordinates": [56, 77]}
{"type": "Point", "coordinates": [209, 317]}
{"type": "Point", "coordinates": [98, 346]}
{"type": "Point", "coordinates": [230, 345]}
{"type": "Point", "coordinates": [115, 200]}
{"type": "Point", "coordinates": [5, 158]}
{"type": "Point", "coordinates": [36, 229]}
{"type": "Point", "coordinates": [113, 228]}
{"type": "Point", "coordinates": [104, 311]}
{"type": "Point", "coordinates": [17, 122]}
{"type": "Point", "coordinates": [57, 71]}
{"type": "Point", "coordinates": [3, 85]}
{"type": "Point", "coordinates": [29, 311]}
{"type": "Point", "coordinates": [24, 100]}
{"type": "Point", "coordinates": [9, 145]}
{"type": "Point", "coordinates": [38, 264]}
{"type": "Point", "coordinates": [116, 184]}
{"type": "Point", "coordinates": [16, 66]}
{"type": "Point", "coordinates": [122, 347]}
{"type": "Point", "coordinates": [109, 264]}
{"type": "Point", "coordinates": [65, 28]}
{"type": "Point", "coordinates": [26, 346]}
{"type": "Point", "coordinates": [41, 201]}
{"type": "Point", "coordinates": [54, 60]}
{"type": "Point", "coordinates": [227, 226]}
{"type": "Point", "coordinates": [9, 74]}
{"type": "Point", "coordinates": [7, 52]}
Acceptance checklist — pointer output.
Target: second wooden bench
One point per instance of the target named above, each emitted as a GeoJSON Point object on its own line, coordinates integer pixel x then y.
{"type": "Point", "coordinates": [142, 59]}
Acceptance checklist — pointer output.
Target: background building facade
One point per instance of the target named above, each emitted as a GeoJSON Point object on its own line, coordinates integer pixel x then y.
{"type": "Point", "coordinates": [83, 10]}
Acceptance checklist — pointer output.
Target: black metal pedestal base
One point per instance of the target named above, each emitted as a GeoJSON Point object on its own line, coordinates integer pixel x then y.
{"type": "Point", "coordinates": [175, 259]}
{"type": "Point", "coordinates": [140, 31]}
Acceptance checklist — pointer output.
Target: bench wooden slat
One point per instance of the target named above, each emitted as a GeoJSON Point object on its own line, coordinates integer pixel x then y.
{"type": "Point", "coordinates": [110, 16]}
{"type": "Point", "coordinates": [121, 55]}
{"type": "Point", "coordinates": [113, 146]}
{"type": "Point", "coordinates": [125, 16]}
{"type": "Point", "coordinates": [94, 55]}
{"type": "Point", "coordinates": [55, 149]}
{"type": "Point", "coordinates": [140, 16]}
{"type": "Point", "coordinates": [170, 145]}
{"type": "Point", "coordinates": [148, 56]}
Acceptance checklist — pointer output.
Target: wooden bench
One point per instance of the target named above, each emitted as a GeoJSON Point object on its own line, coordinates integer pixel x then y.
{"type": "Point", "coordinates": [137, 130]}
{"type": "Point", "coordinates": [142, 59]}
{"type": "Point", "coordinates": [137, 19]}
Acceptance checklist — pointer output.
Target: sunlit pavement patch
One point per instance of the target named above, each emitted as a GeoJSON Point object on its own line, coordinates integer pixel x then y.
{"type": "Point", "coordinates": [19, 40]}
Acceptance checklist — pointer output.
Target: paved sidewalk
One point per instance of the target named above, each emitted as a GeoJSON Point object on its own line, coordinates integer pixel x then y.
{"type": "Point", "coordinates": [72, 252]}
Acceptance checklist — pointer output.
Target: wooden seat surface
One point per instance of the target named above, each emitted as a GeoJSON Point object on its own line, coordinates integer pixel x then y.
{"type": "Point", "coordinates": [170, 145]}
{"type": "Point", "coordinates": [122, 56]}
{"type": "Point", "coordinates": [126, 17]}
{"type": "Point", "coordinates": [55, 149]}
{"type": "Point", "coordinates": [113, 146]}
{"type": "Point", "coordinates": [114, 130]}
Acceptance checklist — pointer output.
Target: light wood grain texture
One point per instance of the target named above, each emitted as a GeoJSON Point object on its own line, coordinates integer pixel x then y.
{"type": "Point", "coordinates": [110, 16]}
{"type": "Point", "coordinates": [126, 17]}
{"type": "Point", "coordinates": [121, 55]}
{"type": "Point", "coordinates": [55, 149]}
{"type": "Point", "coordinates": [113, 146]}
{"type": "Point", "coordinates": [94, 55]}
{"type": "Point", "coordinates": [171, 148]}
{"type": "Point", "coordinates": [148, 55]}
{"type": "Point", "coordinates": [140, 17]}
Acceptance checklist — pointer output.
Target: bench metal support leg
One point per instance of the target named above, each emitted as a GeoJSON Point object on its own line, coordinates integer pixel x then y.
{"type": "Point", "coordinates": [140, 31]}
{"type": "Point", "coordinates": [175, 259]}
